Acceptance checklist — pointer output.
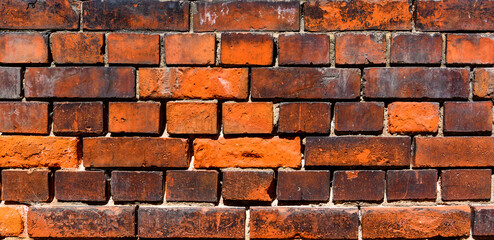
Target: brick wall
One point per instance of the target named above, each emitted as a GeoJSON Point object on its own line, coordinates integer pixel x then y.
{"type": "Point", "coordinates": [310, 119]}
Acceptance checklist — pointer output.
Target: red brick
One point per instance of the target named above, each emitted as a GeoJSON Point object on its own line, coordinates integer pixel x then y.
{"type": "Point", "coordinates": [483, 221]}
{"type": "Point", "coordinates": [80, 186]}
{"type": "Point", "coordinates": [192, 117]}
{"type": "Point", "coordinates": [190, 48]}
{"type": "Point", "coordinates": [305, 83]}
{"type": "Point", "coordinates": [25, 185]}
{"type": "Point", "coordinates": [357, 15]}
{"type": "Point", "coordinates": [304, 117]}
{"type": "Point", "coordinates": [81, 221]}
{"type": "Point", "coordinates": [415, 222]}
{"type": "Point", "coordinates": [413, 117]}
{"type": "Point", "coordinates": [24, 117]}
{"type": "Point", "coordinates": [134, 117]}
{"type": "Point", "coordinates": [358, 151]}
{"type": "Point", "coordinates": [23, 48]}
{"type": "Point", "coordinates": [303, 49]}
{"type": "Point", "coordinates": [466, 184]}
{"type": "Point", "coordinates": [467, 117]}
{"type": "Point", "coordinates": [248, 185]}
{"type": "Point", "coordinates": [202, 83]}
{"type": "Point", "coordinates": [10, 82]}
{"type": "Point", "coordinates": [132, 15]}
{"type": "Point", "coordinates": [470, 49]}
{"type": "Point", "coordinates": [54, 14]}
{"type": "Point", "coordinates": [192, 186]}
{"type": "Point", "coordinates": [366, 117]}
{"type": "Point", "coordinates": [78, 117]}
{"type": "Point", "coordinates": [80, 47]}
{"type": "Point", "coordinates": [411, 185]}
{"type": "Point", "coordinates": [483, 85]}
{"type": "Point", "coordinates": [37, 151]}
{"type": "Point", "coordinates": [133, 48]}
{"type": "Point", "coordinates": [303, 222]}
{"type": "Point", "coordinates": [247, 152]}
{"type": "Point", "coordinates": [128, 186]}
{"type": "Point", "coordinates": [247, 117]}
{"type": "Point", "coordinates": [416, 48]}
{"type": "Point", "coordinates": [454, 15]}
{"type": "Point", "coordinates": [135, 152]}
{"type": "Point", "coordinates": [416, 83]}
{"type": "Point", "coordinates": [191, 222]}
{"type": "Point", "coordinates": [80, 82]}
{"type": "Point", "coordinates": [360, 185]}
{"type": "Point", "coordinates": [309, 186]}
{"type": "Point", "coordinates": [246, 49]}
{"type": "Point", "coordinates": [245, 15]}
{"type": "Point", "coordinates": [360, 48]}
{"type": "Point", "coordinates": [12, 220]}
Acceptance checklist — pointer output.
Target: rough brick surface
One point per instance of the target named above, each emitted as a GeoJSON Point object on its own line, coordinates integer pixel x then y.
{"type": "Point", "coordinates": [467, 117]}
{"type": "Point", "coordinates": [365, 117]}
{"type": "Point", "coordinates": [141, 117]}
{"type": "Point", "coordinates": [128, 186]}
{"type": "Point", "coordinates": [466, 184]}
{"type": "Point", "coordinates": [24, 117]}
{"type": "Point", "coordinates": [483, 84]}
{"type": "Point", "coordinates": [309, 186]}
{"type": "Point", "coordinates": [303, 117]}
{"type": "Point", "coordinates": [416, 48]}
{"type": "Point", "coordinates": [360, 48]}
{"type": "Point", "coordinates": [241, 118]}
{"type": "Point", "coordinates": [192, 186]}
{"type": "Point", "coordinates": [192, 117]}
{"type": "Point", "coordinates": [25, 186]}
{"type": "Point", "coordinates": [248, 185]}
{"type": "Point", "coordinates": [128, 48]}
{"type": "Point", "coordinates": [470, 49]}
{"type": "Point", "coordinates": [413, 117]}
{"type": "Point", "coordinates": [77, 48]}
{"type": "Point", "coordinates": [246, 49]}
{"type": "Point", "coordinates": [360, 185]}
{"type": "Point", "coordinates": [482, 224]}
{"type": "Point", "coordinates": [190, 48]}
{"type": "Point", "coordinates": [306, 49]}
{"type": "Point", "coordinates": [10, 82]}
{"type": "Point", "coordinates": [12, 220]}
{"type": "Point", "coordinates": [78, 118]}
{"type": "Point", "coordinates": [411, 185]}
{"type": "Point", "coordinates": [23, 48]}
{"type": "Point", "coordinates": [80, 186]}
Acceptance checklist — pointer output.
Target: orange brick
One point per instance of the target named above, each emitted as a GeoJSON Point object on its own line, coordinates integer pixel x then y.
{"type": "Point", "coordinates": [192, 117]}
{"type": "Point", "coordinates": [246, 49]}
{"type": "Point", "coordinates": [360, 48]}
{"type": "Point", "coordinates": [24, 117]}
{"type": "Point", "coordinates": [248, 117]}
{"type": "Point", "coordinates": [132, 117]}
{"type": "Point", "coordinates": [132, 48]}
{"type": "Point", "coordinates": [483, 85]}
{"type": "Point", "coordinates": [68, 47]}
{"type": "Point", "coordinates": [23, 48]}
{"type": "Point", "coordinates": [12, 220]}
{"type": "Point", "coordinates": [470, 48]}
{"type": "Point", "coordinates": [190, 48]}
{"type": "Point", "coordinates": [413, 117]}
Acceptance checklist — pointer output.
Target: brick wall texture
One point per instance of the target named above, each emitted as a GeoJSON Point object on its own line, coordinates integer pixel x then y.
{"type": "Point", "coordinates": [247, 119]}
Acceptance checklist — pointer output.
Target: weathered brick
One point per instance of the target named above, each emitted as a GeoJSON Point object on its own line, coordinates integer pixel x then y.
{"type": "Point", "coordinates": [23, 48]}
{"type": "Point", "coordinates": [192, 117]}
{"type": "Point", "coordinates": [10, 82]}
{"type": "Point", "coordinates": [413, 117]}
{"type": "Point", "coordinates": [304, 49]}
{"type": "Point", "coordinates": [248, 185]}
{"type": "Point", "coordinates": [25, 185]}
{"type": "Point", "coordinates": [37, 151]}
{"type": "Point", "coordinates": [416, 48]}
{"type": "Point", "coordinates": [12, 220]}
{"type": "Point", "coordinates": [190, 48]}
{"type": "Point", "coordinates": [415, 222]}
{"type": "Point", "coordinates": [203, 83]}
{"type": "Point", "coordinates": [357, 15]}
{"type": "Point", "coordinates": [470, 49]}
{"type": "Point", "coordinates": [416, 83]}
{"type": "Point", "coordinates": [133, 48]}
{"type": "Point", "coordinates": [483, 85]}
{"type": "Point", "coordinates": [305, 83]}
{"type": "Point", "coordinates": [135, 152]}
{"type": "Point", "coordinates": [191, 222]}
{"type": "Point", "coordinates": [246, 49]}
{"type": "Point", "coordinates": [366, 117]}
{"type": "Point", "coordinates": [78, 48]}
{"type": "Point", "coordinates": [78, 117]}
{"type": "Point", "coordinates": [411, 185]}
{"type": "Point", "coordinates": [80, 186]}
{"type": "Point", "coordinates": [136, 15]}
{"type": "Point", "coordinates": [465, 184]}
{"type": "Point", "coordinates": [134, 117]}
{"type": "Point", "coordinates": [359, 185]}
{"type": "Point", "coordinates": [467, 117]}
{"type": "Point", "coordinates": [303, 222]}
{"type": "Point", "coordinates": [247, 117]}
{"type": "Point", "coordinates": [246, 15]}
{"type": "Point", "coordinates": [192, 186]}
{"type": "Point", "coordinates": [483, 221]}
{"type": "Point", "coordinates": [247, 152]}
{"type": "Point", "coordinates": [80, 82]}
{"type": "Point", "coordinates": [303, 117]}
{"type": "Point", "coordinates": [81, 221]}
{"type": "Point", "coordinates": [303, 186]}
{"type": "Point", "coordinates": [128, 186]}
{"type": "Point", "coordinates": [360, 48]}
{"type": "Point", "coordinates": [358, 151]}
{"type": "Point", "coordinates": [24, 117]}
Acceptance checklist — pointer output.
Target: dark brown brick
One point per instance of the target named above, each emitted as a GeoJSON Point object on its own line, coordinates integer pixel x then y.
{"type": "Point", "coordinates": [128, 186]}
{"type": "Point", "coordinates": [411, 185]}
{"type": "Point", "coordinates": [25, 185]}
{"type": "Point", "coordinates": [416, 83]}
{"type": "Point", "coordinates": [24, 117]}
{"type": "Point", "coordinates": [136, 15]}
{"type": "Point", "coordinates": [303, 185]}
{"type": "Point", "coordinates": [483, 221]}
{"type": "Point", "coordinates": [10, 83]}
{"type": "Point", "coordinates": [192, 186]}
{"type": "Point", "coordinates": [304, 49]}
{"type": "Point", "coordinates": [305, 83]}
{"type": "Point", "coordinates": [78, 117]}
{"type": "Point", "coordinates": [246, 49]}
{"type": "Point", "coordinates": [78, 48]}
{"type": "Point", "coordinates": [359, 185]}
{"type": "Point", "coordinates": [133, 48]}
{"type": "Point", "coordinates": [364, 117]}
{"type": "Point", "coordinates": [416, 48]}
{"type": "Point", "coordinates": [81, 221]}
{"type": "Point", "coordinates": [134, 117]}
{"type": "Point", "coordinates": [248, 185]}
{"type": "Point", "coordinates": [80, 186]}
{"type": "Point", "coordinates": [303, 222]}
{"type": "Point", "coordinates": [467, 117]}
{"type": "Point", "coordinates": [466, 184]}
{"type": "Point", "coordinates": [360, 48]}
{"type": "Point", "coordinates": [191, 222]}
{"type": "Point", "coordinates": [304, 117]}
